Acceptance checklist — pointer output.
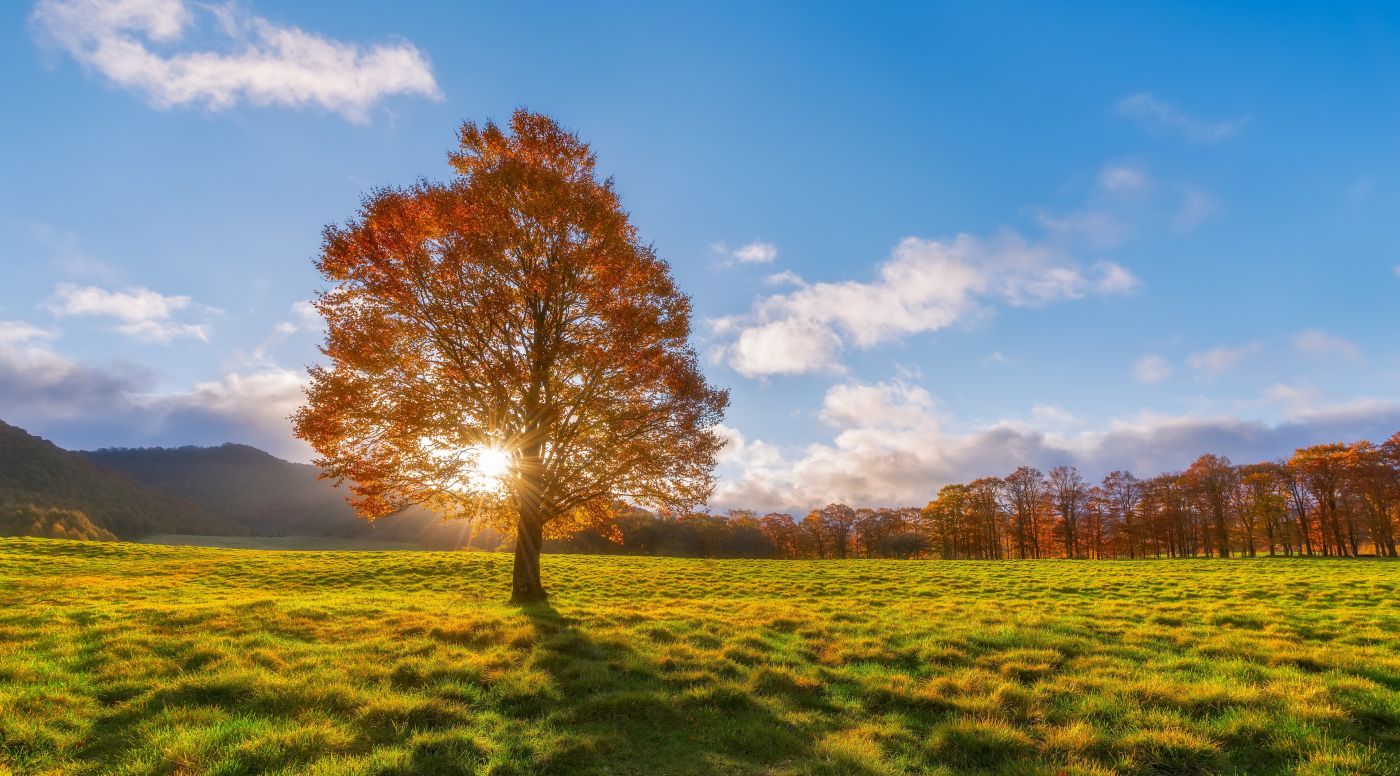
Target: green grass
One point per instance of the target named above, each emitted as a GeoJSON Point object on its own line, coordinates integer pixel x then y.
{"type": "Point", "coordinates": [278, 542]}
{"type": "Point", "coordinates": [126, 658]}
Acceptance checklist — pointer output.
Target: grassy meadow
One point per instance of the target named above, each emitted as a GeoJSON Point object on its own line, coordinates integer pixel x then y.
{"type": "Point", "coordinates": [129, 658]}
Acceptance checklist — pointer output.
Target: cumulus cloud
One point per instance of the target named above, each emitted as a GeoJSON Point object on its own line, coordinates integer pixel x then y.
{"type": "Point", "coordinates": [1318, 343]}
{"type": "Point", "coordinates": [1152, 369]}
{"type": "Point", "coordinates": [178, 53]}
{"type": "Point", "coordinates": [926, 285]}
{"type": "Point", "coordinates": [891, 447]}
{"type": "Point", "coordinates": [1155, 114]}
{"type": "Point", "coordinates": [140, 312]}
{"type": "Point", "coordinates": [85, 406]}
{"type": "Point", "coordinates": [1216, 361]}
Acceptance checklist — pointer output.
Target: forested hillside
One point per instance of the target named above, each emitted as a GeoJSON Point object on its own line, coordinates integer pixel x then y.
{"type": "Point", "coordinates": [267, 495]}
{"type": "Point", "coordinates": [48, 491]}
{"type": "Point", "coordinates": [242, 484]}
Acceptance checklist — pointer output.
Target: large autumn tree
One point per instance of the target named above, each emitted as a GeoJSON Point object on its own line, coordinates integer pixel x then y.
{"type": "Point", "coordinates": [503, 345]}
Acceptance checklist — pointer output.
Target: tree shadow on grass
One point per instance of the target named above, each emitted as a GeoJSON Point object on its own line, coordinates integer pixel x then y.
{"type": "Point", "coordinates": [621, 711]}
{"type": "Point", "coordinates": [576, 703]}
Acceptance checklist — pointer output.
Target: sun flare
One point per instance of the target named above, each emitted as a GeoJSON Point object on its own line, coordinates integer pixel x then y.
{"type": "Point", "coordinates": [490, 466]}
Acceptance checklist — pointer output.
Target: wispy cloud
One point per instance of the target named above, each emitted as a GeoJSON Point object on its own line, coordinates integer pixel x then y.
{"type": "Point", "coordinates": [1124, 178]}
{"type": "Point", "coordinates": [141, 312]}
{"type": "Point", "coordinates": [148, 47]}
{"type": "Point", "coordinates": [1315, 342]}
{"type": "Point", "coordinates": [756, 252]}
{"type": "Point", "coordinates": [1216, 361]}
{"type": "Point", "coordinates": [1162, 116]}
{"type": "Point", "coordinates": [1197, 207]}
{"type": "Point", "coordinates": [1152, 370]}
{"type": "Point", "coordinates": [65, 253]}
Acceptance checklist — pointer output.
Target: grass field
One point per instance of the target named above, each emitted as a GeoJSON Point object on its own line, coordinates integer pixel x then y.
{"type": "Point", "coordinates": [128, 658]}
{"type": "Point", "coordinates": [278, 542]}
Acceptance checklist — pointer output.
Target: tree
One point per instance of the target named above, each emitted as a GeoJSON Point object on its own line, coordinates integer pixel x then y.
{"type": "Point", "coordinates": [1025, 494]}
{"type": "Point", "coordinates": [1122, 494]}
{"type": "Point", "coordinates": [1263, 502]}
{"type": "Point", "coordinates": [814, 534]}
{"type": "Point", "coordinates": [1323, 469]}
{"type": "Point", "coordinates": [1299, 497]}
{"type": "Point", "coordinates": [840, 522]}
{"type": "Point", "coordinates": [1370, 483]}
{"type": "Point", "coordinates": [504, 345]}
{"type": "Point", "coordinates": [1212, 479]}
{"type": "Point", "coordinates": [1068, 492]}
{"type": "Point", "coordinates": [783, 533]}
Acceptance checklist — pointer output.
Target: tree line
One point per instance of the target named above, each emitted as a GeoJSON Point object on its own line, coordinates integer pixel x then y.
{"type": "Point", "coordinates": [1333, 500]}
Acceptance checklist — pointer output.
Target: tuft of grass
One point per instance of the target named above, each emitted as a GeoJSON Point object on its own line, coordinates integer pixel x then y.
{"type": "Point", "coordinates": [137, 659]}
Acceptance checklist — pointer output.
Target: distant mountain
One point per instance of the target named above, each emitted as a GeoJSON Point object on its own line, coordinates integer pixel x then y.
{"type": "Point", "coordinates": [242, 484]}
{"type": "Point", "coordinates": [48, 491]}
{"type": "Point", "coordinates": [267, 495]}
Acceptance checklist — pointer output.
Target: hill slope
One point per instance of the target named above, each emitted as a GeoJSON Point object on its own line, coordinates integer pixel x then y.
{"type": "Point", "coordinates": [265, 494]}
{"type": "Point", "coordinates": [242, 484]}
{"type": "Point", "coordinates": [41, 483]}
{"type": "Point", "coordinates": [138, 659]}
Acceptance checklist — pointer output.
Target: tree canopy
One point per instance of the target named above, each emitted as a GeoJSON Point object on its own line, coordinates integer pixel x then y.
{"type": "Point", "coordinates": [504, 344]}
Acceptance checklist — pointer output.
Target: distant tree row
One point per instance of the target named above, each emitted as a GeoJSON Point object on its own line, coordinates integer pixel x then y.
{"type": "Point", "coordinates": [50, 522]}
{"type": "Point", "coordinates": [1336, 500]}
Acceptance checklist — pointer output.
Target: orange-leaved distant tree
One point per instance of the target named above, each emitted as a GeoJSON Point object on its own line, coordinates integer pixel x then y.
{"type": "Point", "coordinates": [503, 345]}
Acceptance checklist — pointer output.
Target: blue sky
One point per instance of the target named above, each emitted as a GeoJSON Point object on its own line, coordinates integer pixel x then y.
{"type": "Point", "coordinates": [924, 243]}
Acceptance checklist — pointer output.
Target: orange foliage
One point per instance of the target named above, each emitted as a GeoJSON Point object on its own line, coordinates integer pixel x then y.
{"type": "Point", "coordinates": [512, 308]}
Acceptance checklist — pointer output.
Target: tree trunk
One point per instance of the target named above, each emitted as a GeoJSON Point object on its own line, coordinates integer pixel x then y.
{"type": "Point", "coordinates": [526, 587]}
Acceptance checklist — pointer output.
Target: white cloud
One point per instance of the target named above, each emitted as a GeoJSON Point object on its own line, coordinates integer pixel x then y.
{"type": "Point", "coordinates": [143, 313]}
{"type": "Point", "coordinates": [889, 447]}
{"type": "Point", "coordinates": [1052, 414]}
{"type": "Point", "coordinates": [1099, 228]}
{"type": "Point", "coordinates": [1123, 179]}
{"type": "Point", "coordinates": [926, 285]}
{"type": "Point", "coordinates": [996, 357]}
{"type": "Point", "coordinates": [158, 49]}
{"type": "Point", "coordinates": [1219, 360]}
{"type": "Point", "coordinates": [1315, 342]}
{"type": "Point", "coordinates": [1297, 399]}
{"type": "Point", "coordinates": [307, 313]}
{"type": "Point", "coordinates": [17, 333]}
{"type": "Point", "coordinates": [1114, 279]}
{"type": "Point", "coordinates": [86, 406]}
{"type": "Point", "coordinates": [785, 278]}
{"type": "Point", "coordinates": [1151, 370]}
{"type": "Point", "coordinates": [893, 405]}
{"type": "Point", "coordinates": [786, 346]}
{"type": "Point", "coordinates": [1156, 114]}
{"type": "Point", "coordinates": [756, 253]}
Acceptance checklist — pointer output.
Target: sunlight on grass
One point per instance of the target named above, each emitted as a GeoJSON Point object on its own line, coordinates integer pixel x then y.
{"type": "Point", "coordinates": [121, 658]}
